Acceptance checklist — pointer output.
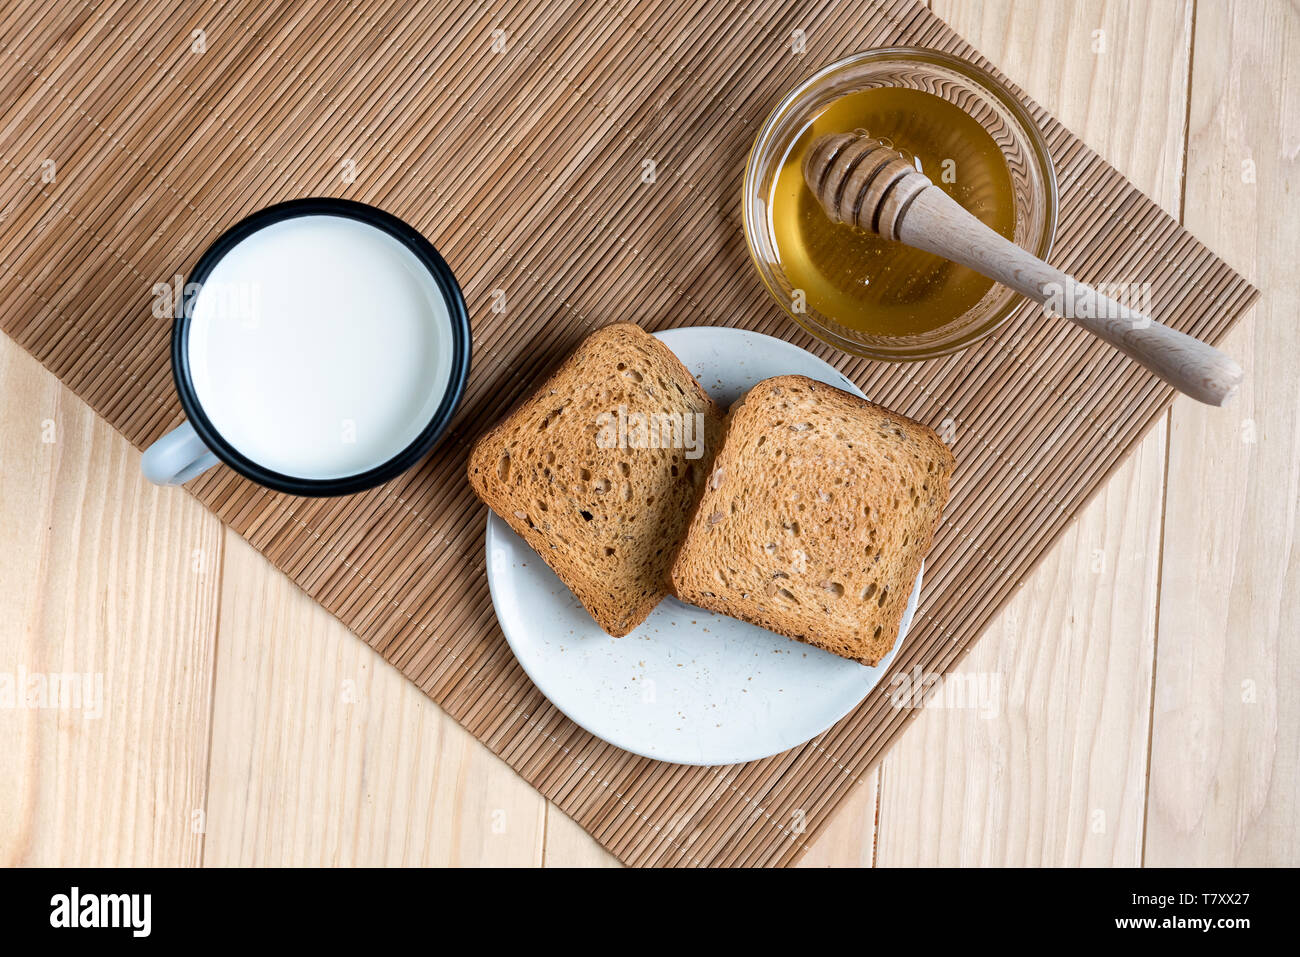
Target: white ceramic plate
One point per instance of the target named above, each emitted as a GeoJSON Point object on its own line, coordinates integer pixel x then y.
{"type": "Point", "coordinates": [688, 685]}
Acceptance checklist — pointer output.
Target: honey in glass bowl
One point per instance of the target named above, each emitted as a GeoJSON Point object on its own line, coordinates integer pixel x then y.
{"type": "Point", "coordinates": [971, 135]}
{"type": "Point", "coordinates": [870, 284]}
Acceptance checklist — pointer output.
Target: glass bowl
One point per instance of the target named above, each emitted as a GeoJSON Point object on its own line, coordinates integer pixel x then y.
{"type": "Point", "coordinates": [980, 95]}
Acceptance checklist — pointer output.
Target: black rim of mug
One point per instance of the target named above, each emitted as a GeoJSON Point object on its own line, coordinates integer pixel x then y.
{"type": "Point", "coordinates": [461, 340]}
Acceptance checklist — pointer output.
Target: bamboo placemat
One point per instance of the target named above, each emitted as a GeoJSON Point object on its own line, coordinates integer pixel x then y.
{"type": "Point", "coordinates": [514, 136]}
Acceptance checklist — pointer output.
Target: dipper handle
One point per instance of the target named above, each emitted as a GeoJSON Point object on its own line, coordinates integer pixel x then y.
{"type": "Point", "coordinates": [866, 183]}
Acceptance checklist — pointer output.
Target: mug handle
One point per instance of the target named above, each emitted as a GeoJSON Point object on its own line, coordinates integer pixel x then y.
{"type": "Point", "coordinates": [177, 457]}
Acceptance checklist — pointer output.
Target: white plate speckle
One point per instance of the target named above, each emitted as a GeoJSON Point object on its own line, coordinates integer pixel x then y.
{"type": "Point", "coordinates": [687, 686]}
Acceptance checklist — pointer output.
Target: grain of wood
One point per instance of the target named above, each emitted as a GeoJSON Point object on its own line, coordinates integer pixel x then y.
{"type": "Point", "coordinates": [324, 755]}
{"type": "Point", "coordinates": [115, 584]}
{"type": "Point", "coordinates": [1225, 757]}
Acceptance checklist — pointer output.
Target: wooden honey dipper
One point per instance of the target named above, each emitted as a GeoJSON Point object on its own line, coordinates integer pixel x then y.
{"type": "Point", "coordinates": [868, 184]}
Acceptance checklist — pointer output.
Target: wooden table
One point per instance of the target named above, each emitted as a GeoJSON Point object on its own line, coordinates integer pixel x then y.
{"type": "Point", "coordinates": [1145, 701]}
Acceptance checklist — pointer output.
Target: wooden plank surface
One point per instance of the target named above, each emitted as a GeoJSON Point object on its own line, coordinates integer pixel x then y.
{"type": "Point", "coordinates": [1225, 761]}
{"type": "Point", "coordinates": [349, 763]}
{"type": "Point", "coordinates": [109, 587]}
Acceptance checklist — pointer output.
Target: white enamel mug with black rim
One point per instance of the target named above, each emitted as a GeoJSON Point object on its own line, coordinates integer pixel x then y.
{"type": "Point", "coordinates": [200, 442]}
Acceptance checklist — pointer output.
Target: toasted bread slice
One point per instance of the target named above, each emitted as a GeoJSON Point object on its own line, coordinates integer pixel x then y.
{"type": "Point", "coordinates": [602, 496]}
{"type": "Point", "coordinates": [818, 511]}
